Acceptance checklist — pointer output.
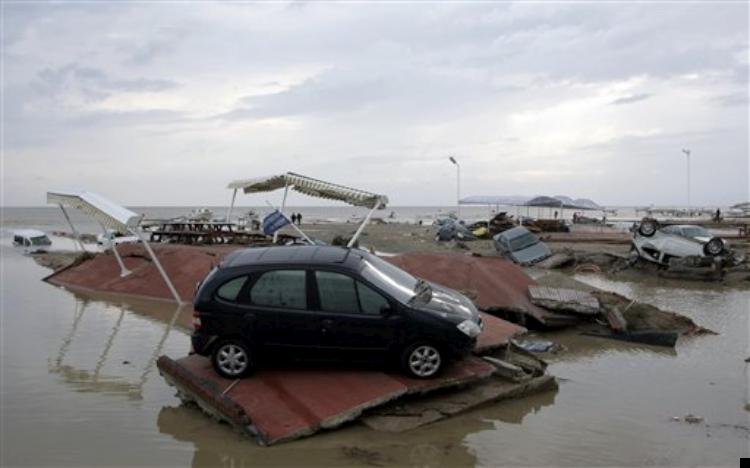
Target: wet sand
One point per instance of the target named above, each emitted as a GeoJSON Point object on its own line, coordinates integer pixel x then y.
{"type": "Point", "coordinates": [78, 387]}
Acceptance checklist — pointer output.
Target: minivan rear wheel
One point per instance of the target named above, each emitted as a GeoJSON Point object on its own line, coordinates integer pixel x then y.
{"type": "Point", "coordinates": [232, 359]}
{"type": "Point", "coordinates": [422, 360]}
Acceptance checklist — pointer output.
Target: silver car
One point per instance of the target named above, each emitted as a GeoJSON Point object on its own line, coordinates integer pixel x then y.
{"type": "Point", "coordinates": [521, 246]}
{"type": "Point", "coordinates": [659, 244]}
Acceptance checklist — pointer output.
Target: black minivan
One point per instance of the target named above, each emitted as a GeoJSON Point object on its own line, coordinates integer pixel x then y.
{"type": "Point", "coordinates": [326, 303]}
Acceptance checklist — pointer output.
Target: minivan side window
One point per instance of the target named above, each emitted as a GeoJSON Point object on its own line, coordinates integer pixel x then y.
{"type": "Point", "coordinates": [280, 288]}
{"type": "Point", "coordinates": [372, 303]}
{"type": "Point", "coordinates": [340, 293]}
{"type": "Point", "coordinates": [231, 289]}
{"type": "Point", "coordinates": [337, 292]}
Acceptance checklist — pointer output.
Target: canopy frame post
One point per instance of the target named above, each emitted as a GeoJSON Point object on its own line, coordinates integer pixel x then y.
{"type": "Point", "coordinates": [163, 273]}
{"type": "Point", "coordinates": [123, 270]}
{"type": "Point", "coordinates": [283, 207]}
{"type": "Point", "coordinates": [362, 226]}
{"type": "Point", "coordinates": [76, 236]}
{"type": "Point", "coordinates": [231, 205]}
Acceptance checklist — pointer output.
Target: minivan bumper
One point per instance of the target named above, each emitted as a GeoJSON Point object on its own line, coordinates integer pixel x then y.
{"type": "Point", "coordinates": [201, 343]}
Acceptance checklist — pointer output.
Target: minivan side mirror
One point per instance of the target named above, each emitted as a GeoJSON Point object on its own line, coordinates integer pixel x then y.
{"type": "Point", "coordinates": [386, 310]}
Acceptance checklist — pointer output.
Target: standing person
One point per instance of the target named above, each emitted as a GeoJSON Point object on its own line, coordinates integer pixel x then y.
{"type": "Point", "coordinates": [299, 219]}
{"type": "Point", "coordinates": [718, 215]}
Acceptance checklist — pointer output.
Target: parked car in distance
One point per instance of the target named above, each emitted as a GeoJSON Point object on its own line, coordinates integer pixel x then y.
{"type": "Point", "coordinates": [327, 303]}
{"type": "Point", "coordinates": [114, 237]}
{"type": "Point", "coordinates": [521, 246]}
{"type": "Point", "coordinates": [659, 244]}
{"type": "Point", "coordinates": [31, 241]}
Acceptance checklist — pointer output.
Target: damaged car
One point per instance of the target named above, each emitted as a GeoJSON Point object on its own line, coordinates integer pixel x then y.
{"type": "Point", "coordinates": [521, 245]}
{"type": "Point", "coordinates": [659, 244]}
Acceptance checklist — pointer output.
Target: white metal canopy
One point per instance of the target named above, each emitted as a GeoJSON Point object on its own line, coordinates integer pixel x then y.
{"type": "Point", "coordinates": [312, 187]}
{"type": "Point", "coordinates": [107, 213]}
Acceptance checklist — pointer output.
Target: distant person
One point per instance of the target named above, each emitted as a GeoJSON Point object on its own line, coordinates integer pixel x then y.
{"type": "Point", "coordinates": [717, 217]}
{"type": "Point", "coordinates": [555, 214]}
{"type": "Point", "coordinates": [293, 217]}
{"type": "Point", "coordinates": [299, 219]}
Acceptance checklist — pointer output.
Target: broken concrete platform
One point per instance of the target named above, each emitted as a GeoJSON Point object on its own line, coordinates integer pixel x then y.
{"type": "Point", "coordinates": [282, 405]}
{"type": "Point", "coordinates": [279, 405]}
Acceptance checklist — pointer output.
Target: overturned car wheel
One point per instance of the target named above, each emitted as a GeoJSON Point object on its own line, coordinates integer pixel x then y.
{"type": "Point", "coordinates": [648, 227]}
{"type": "Point", "coordinates": [713, 247]}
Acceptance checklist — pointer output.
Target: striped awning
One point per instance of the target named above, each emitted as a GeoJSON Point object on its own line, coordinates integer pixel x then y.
{"type": "Point", "coordinates": [312, 187]}
{"type": "Point", "coordinates": [108, 213]}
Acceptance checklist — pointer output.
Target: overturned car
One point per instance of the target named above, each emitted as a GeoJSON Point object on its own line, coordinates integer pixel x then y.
{"type": "Point", "coordinates": [659, 244]}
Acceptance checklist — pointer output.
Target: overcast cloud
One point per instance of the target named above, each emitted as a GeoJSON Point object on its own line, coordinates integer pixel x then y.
{"type": "Point", "coordinates": [163, 104]}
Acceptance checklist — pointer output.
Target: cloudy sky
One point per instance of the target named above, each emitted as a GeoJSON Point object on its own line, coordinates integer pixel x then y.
{"type": "Point", "coordinates": [164, 103]}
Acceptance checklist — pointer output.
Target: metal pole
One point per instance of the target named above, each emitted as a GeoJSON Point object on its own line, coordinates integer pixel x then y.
{"type": "Point", "coordinates": [687, 157]}
{"type": "Point", "coordinates": [458, 188]}
{"type": "Point", "coordinates": [123, 270]}
{"type": "Point", "coordinates": [158, 265]}
{"type": "Point", "coordinates": [231, 206]}
{"type": "Point", "coordinates": [364, 223]}
{"type": "Point", "coordinates": [73, 228]}
{"type": "Point", "coordinates": [283, 206]}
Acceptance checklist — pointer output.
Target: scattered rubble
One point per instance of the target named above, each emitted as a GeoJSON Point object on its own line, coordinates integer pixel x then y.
{"type": "Point", "coordinates": [564, 300]}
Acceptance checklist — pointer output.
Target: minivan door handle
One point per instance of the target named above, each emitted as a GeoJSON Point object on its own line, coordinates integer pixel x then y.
{"type": "Point", "coordinates": [249, 316]}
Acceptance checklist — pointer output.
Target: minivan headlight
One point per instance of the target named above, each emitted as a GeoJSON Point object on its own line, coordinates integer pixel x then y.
{"type": "Point", "coordinates": [469, 328]}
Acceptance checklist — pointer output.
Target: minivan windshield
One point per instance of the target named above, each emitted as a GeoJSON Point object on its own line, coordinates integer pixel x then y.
{"type": "Point", "coordinates": [523, 241]}
{"type": "Point", "coordinates": [391, 279]}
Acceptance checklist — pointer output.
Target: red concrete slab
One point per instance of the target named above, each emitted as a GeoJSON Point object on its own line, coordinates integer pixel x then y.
{"type": "Point", "coordinates": [185, 265]}
{"type": "Point", "coordinates": [279, 405]}
{"type": "Point", "coordinates": [496, 334]}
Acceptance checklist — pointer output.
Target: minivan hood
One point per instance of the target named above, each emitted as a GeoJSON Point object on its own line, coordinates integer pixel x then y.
{"type": "Point", "coordinates": [449, 303]}
{"type": "Point", "coordinates": [533, 254]}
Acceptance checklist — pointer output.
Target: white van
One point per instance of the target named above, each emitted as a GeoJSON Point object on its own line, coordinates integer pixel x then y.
{"type": "Point", "coordinates": [31, 240]}
{"type": "Point", "coordinates": [114, 237]}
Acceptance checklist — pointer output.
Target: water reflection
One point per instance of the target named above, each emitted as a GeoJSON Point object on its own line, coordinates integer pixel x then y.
{"type": "Point", "coordinates": [94, 380]}
{"type": "Point", "coordinates": [438, 444]}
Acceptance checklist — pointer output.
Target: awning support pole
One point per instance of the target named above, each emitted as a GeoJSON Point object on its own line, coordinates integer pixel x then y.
{"type": "Point", "coordinates": [73, 228]}
{"type": "Point", "coordinates": [163, 273]}
{"type": "Point", "coordinates": [362, 226]}
{"type": "Point", "coordinates": [231, 206]}
{"type": "Point", "coordinates": [123, 271]}
{"type": "Point", "coordinates": [283, 206]}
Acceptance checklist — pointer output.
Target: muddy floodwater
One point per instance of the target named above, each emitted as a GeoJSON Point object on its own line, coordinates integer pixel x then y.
{"type": "Point", "coordinates": [79, 387]}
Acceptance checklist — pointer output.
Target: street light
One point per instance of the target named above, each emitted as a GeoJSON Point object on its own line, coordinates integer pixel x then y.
{"type": "Point", "coordinates": [458, 184]}
{"type": "Point", "coordinates": [687, 155]}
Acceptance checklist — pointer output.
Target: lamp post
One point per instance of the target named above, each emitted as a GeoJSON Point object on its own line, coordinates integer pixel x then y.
{"type": "Point", "coordinates": [687, 155]}
{"type": "Point", "coordinates": [458, 185]}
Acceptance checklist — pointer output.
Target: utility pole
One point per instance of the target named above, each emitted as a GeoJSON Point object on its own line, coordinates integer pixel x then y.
{"type": "Point", "coordinates": [458, 185]}
{"type": "Point", "coordinates": [687, 155]}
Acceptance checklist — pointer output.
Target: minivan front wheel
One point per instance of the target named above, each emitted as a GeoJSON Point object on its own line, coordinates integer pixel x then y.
{"type": "Point", "coordinates": [422, 360]}
{"type": "Point", "coordinates": [231, 359]}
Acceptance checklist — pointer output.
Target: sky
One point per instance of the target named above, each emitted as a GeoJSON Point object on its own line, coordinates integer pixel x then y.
{"type": "Point", "coordinates": [164, 103]}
